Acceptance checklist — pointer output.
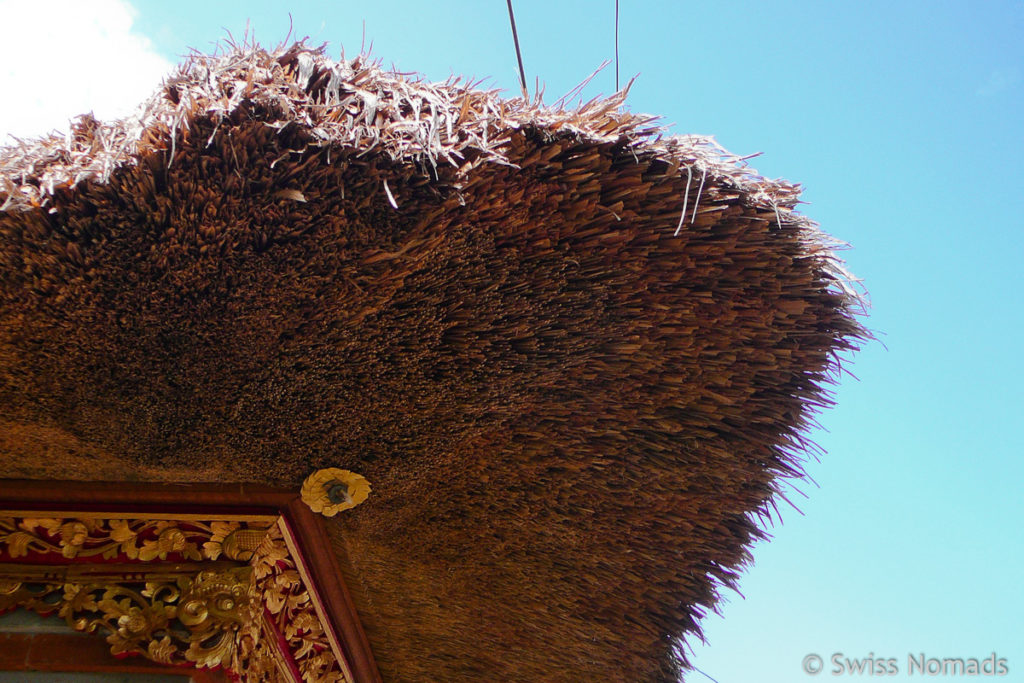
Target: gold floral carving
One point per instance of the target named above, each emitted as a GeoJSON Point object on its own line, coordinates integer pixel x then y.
{"type": "Point", "coordinates": [190, 619]}
{"type": "Point", "coordinates": [134, 539]}
{"type": "Point", "coordinates": [200, 593]}
{"type": "Point", "coordinates": [332, 490]}
{"type": "Point", "coordinates": [290, 616]}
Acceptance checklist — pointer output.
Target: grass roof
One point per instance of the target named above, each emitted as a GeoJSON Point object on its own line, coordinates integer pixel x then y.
{"type": "Point", "coordinates": [575, 358]}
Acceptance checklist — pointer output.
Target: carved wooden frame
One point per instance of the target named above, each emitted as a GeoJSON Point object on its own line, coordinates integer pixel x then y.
{"type": "Point", "coordinates": [237, 577]}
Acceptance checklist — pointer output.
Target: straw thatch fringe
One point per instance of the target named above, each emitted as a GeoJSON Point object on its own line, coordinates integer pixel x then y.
{"type": "Point", "coordinates": [576, 359]}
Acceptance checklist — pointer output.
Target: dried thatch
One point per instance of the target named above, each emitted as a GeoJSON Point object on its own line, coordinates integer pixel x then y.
{"type": "Point", "coordinates": [574, 358]}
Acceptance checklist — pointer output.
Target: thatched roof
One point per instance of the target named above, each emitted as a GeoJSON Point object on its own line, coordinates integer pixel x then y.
{"type": "Point", "coordinates": [574, 358]}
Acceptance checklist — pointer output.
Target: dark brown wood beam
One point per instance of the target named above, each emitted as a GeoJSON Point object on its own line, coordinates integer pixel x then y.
{"type": "Point", "coordinates": [325, 574]}
{"type": "Point", "coordinates": [31, 494]}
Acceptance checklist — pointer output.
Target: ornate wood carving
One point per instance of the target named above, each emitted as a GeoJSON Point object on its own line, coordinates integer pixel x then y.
{"type": "Point", "coordinates": [183, 618]}
{"type": "Point", "coordinates": [135, 539]}
{"type": "Point", "coordinates": [290, 616]}
{"type": "Point", "coordinates": [202, 593]}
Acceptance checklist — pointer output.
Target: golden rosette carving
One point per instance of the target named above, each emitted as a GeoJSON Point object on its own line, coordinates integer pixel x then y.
{"type": "Point", "coordinates": [332, 490]}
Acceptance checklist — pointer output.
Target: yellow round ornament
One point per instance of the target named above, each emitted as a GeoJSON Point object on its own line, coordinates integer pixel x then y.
{"type": "Point", "coordinates": [332, 490]}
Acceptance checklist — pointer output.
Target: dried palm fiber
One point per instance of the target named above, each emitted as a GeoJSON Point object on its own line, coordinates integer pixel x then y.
{"type": "Point", "coordinates": [574, 405]}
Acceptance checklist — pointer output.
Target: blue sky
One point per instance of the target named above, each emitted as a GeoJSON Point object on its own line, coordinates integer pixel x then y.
{"type": "Point", "coordinates": [905, 123]}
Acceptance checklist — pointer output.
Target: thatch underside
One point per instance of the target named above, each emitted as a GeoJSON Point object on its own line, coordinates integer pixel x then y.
{"type": "Point", "coordinates": [572, 406]}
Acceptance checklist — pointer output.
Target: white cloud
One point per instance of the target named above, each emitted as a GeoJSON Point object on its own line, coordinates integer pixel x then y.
{"type": "Point", "coordinates": [62, 58]}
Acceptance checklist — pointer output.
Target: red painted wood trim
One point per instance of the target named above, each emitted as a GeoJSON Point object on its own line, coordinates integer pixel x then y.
{"type": "Point", "coordinates": [318, 556]}
{"type": "Point", "coordinates": [209, 676]}
{"type": "Point", "coordinates": [74, 652]}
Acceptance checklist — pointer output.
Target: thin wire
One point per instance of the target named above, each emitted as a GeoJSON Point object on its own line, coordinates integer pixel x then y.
{"type": "Point", "coordinates": [686, 200]}
{"type": "Point", "coordinates": [519, 55]}
{"type": "Point", "coordinates": [616, 45]}
{"type": "Point", "coordinates": [696, 204]}
{"type": "Point", "coordinates": [704, 674]}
